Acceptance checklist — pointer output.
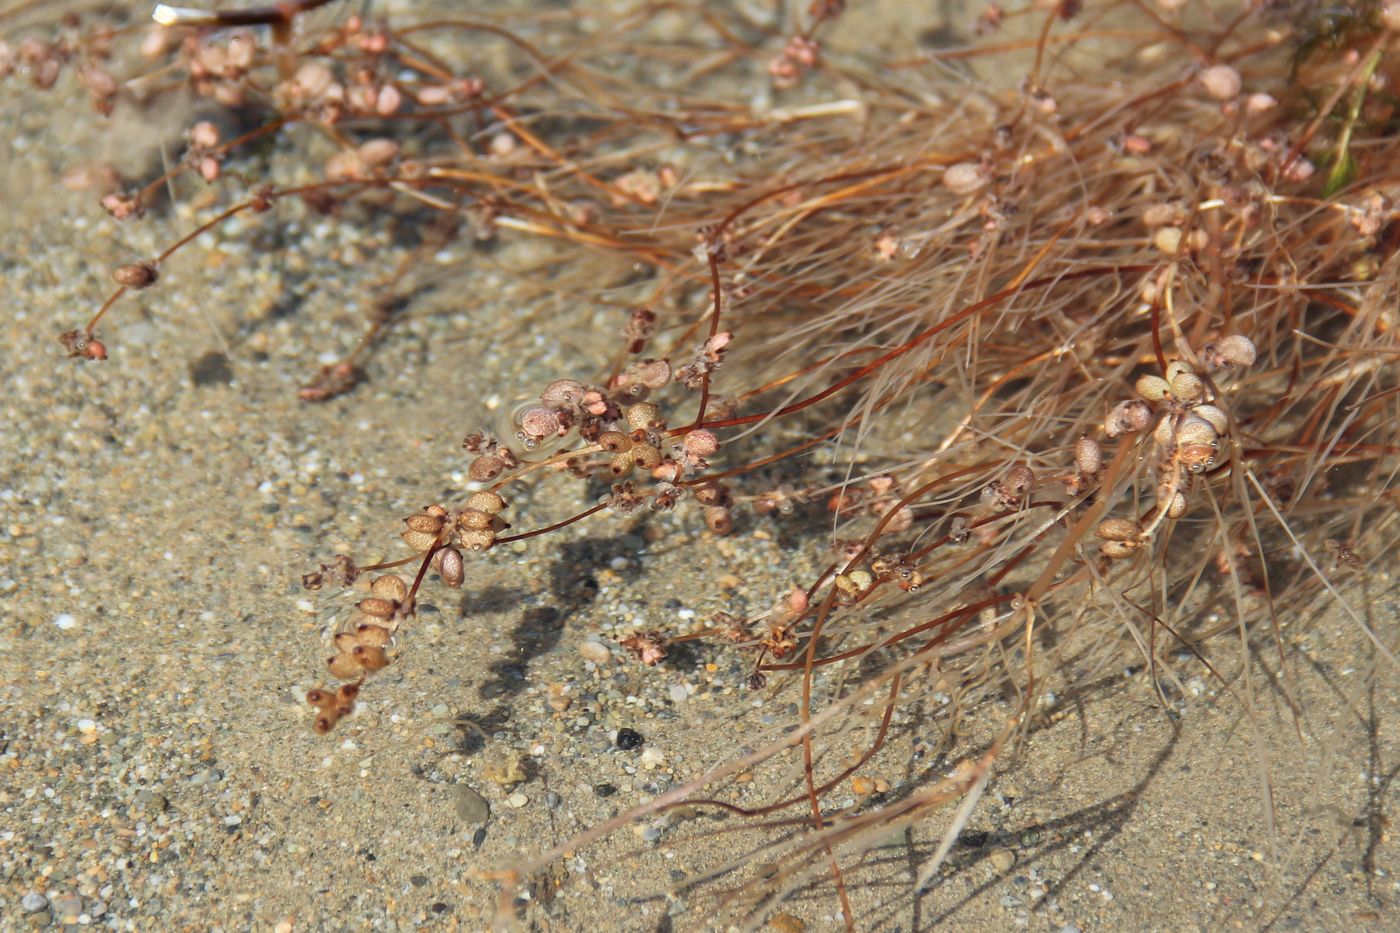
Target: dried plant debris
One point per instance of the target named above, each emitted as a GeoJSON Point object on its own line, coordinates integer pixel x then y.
{"type": "Point", "coordinates": [1077, 353]}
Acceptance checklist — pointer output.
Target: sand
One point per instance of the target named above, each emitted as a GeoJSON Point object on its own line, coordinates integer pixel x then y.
{"type": "Point", "coordinates": [157, 765]}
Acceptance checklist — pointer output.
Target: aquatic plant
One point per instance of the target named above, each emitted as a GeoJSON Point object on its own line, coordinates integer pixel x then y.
{"type": "Point", "coordinates": [1068, 349]}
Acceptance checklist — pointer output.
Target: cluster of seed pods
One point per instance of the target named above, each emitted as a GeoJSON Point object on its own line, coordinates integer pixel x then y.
{"type": "Point", "coordinates": [1190, 432]}
{"type": "Point", "coordinates": [446, 534]}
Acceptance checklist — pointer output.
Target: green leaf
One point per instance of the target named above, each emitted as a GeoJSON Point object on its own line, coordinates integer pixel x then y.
{"type": "Point", "coordinates": [1341, 175]}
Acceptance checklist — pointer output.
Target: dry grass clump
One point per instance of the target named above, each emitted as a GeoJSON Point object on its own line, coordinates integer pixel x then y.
{"type": "Point", "coordinates": [1095, 319]}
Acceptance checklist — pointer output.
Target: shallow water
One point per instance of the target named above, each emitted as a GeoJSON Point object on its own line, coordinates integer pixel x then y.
{"type": "Point", "coordinates": [155, 644]}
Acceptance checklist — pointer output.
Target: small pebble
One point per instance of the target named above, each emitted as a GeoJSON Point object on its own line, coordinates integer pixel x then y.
{"type": "Point", "coordinates": [65, 622]}
{"type": "Point", "coordinates": [33, 902]}
{"type": "Point", "coordinates": [471, 807]}
{"type": "Point", "coordinates": [594, 651]}
{"type": "Point", "coordinates": [629, 739]}
{"type": "Point", "coordinates": [67, 908]}
{"type": "Point", "coordinates": [604, 790]}
{"type": "Point", "coordinates": [678, 693]}
{"type": "Point", "coordinates": [652, 757]}
{"type": "Point", "coordinates": [1002, 859]}
{"type": "Point", "coordinates": [517, 800]}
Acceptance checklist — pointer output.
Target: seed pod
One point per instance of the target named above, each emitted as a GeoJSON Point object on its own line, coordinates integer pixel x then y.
{"type": "Point", "coordinates": [644, 416]}
{"type": "Point", "coordinates": [1221, 82]}
{"type": "Point", "coordinates": [346, 641]}
{"type": "Point", "coordinates": [451, 567]}
{"type": "Point", "coordinates": [135, 275]}
{"type": "Point", "coordinates": [1118, 550]}
{"type": "Point", "coordinates": [418, 540]}
{"type": "Point", "coordinates": [1176, 368]}
{"type": "Point", "coordinates": [422, 522]}
{"type": "Point", "coordinates": [325, 722]}
{"type": "Point", "coordinates": [376, 607]}
{"type": "Point", "coordinates": [1118, 529]}
{"type": "Point", "coordinates": [623, 463]}
{"type": "Point", "coordinates": [701, 443]}
{"type": "Point", "coordinates": [485, 468]}
{"type": "Point", "coordinates": [1165, 431]}
{"type": "Point", "coordinates": [965, 178]}
{"type": "Point", "coordinates": [313, 79]}
{"type": "Point", "coordinates": [1197, 457]}
{"type": "Point", "coordinates": [562, 393]}
{"type": "Point", "coordinates": [1258, 103]}
{"type": "Point", "coordinates": [1178, 431]}
{"type": "Point", "coordinates": [1212, 416]}
{"type": "Point", "coordinates": [1019, 480]}
{"type": "Point", "coordinates": [719, 519]}
{"type": "Point", "coordinates": [1234, 350]}
{"type": "Point", "coordinates": [1152, 388]}
{"type": "Point", "coordinates": [1088, 455]}
{"type": "Point", "coordinates": [371, 658]}
{"type": "Point", "coordinates": [472, 518]}
{"type": "Point", "coordinates": [389, 586]}
{"type": "Point", "coordinates": [344, 666]}
{"type": "Point", "coordinates": [901, 520]}
{"type": "Point", "coordinates": [1168, 240]}
{"type": "Point", "coordinates": [1176, 506]}
{"type": "Point", "coordinates": [377, 153]}
{"type": "Point", "coordinates": [712, 494]}
{"type": "Point", "coordinates": [1128, 418]}
{"type": "Point", "coordinates": [1188, 388]}
{"type": "Point", "coordinates": [539, 422]}
{"type": "Point", "coordinates": [321, 699]}
{"type": "Point", "coordinates": [373, 636]}
{"type": "Point", "coordinates": [850, 586]}
{"type": "Point", "coordinates": [476, 539]}
{"type": "Point", "coordinates": [654, 373]}
{"type": "Point", "coordinates": [614, 441]}
{"type": "Point", "coordinates": [486, 501]}
{"type": "Point", "coordinates": [345, 699]}
{"type": "Point", "coordinates": [1195, 432]}
{"type": "Point", "coordinates": [646, 456]}
{"type": "Point", "coordinates": [1161, 215]}
{"type": "Point", "coordinates": [668, 471]}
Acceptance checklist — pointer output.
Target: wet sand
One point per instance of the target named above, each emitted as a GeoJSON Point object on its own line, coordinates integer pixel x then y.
{"type": "Point", "coordinates": [157, 765]}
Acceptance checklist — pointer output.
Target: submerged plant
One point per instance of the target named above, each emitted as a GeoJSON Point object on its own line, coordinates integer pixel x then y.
{"type": "Point", "coordinates": [1084, 368]}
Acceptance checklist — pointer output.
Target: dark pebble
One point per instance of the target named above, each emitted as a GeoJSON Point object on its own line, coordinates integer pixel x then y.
{"type": "Point", "coordinates": [418, 881]}
{"type": "Point", "coordinates": [604, 790]}
{"type": "Point", "coordinates": [479, 837]}
{"type": "Point", "coordinates": [629, 739]}
{"type": "Point", "coordinates": [211, 369]}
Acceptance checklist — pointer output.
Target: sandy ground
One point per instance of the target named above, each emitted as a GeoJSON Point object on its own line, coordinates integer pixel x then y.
{"type": "Point", "coordinates": [157, 767]}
